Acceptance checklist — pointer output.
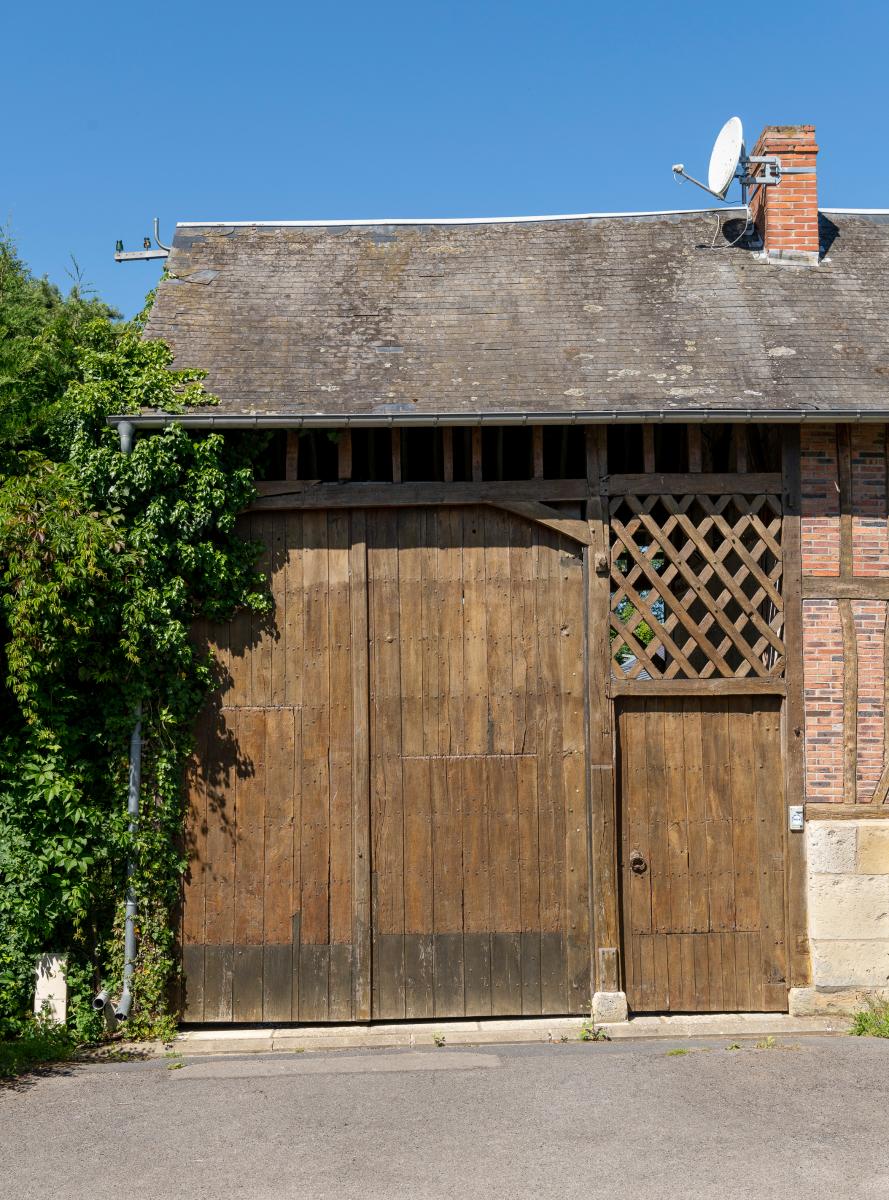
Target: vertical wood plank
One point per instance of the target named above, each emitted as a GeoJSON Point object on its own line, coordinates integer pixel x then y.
{"type": "Point", "coordinates": [476, 888]}
{"type": "Point", "coordinates": [314, 957]}
{"type": "Point", "coordinates": [648, 462]}
{"type": "Point", "coordinates": [694, 448]}
{"type": "Point", "coordinates": [537, 451]}
{"type": "Point", "coordinates": [396, 455]}
{"type": "Point", "coordinates": [340, 752]}
{"type": "Point", "coordinates": [361, 863]}
{"type": "Point", "coordinates": [387, 819]}
{"type": "Point", "coordinates": [447, 884]}
{"type": "Point", "coordinates": [447, 452]}
{"type": "Point", "coordinates": [506, 905]}
{"type": "Point", "coordinates": [278, 867]}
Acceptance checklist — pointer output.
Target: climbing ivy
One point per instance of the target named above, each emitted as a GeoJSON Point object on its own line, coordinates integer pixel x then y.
{"type": "Point", "coordinates": [106, 561]}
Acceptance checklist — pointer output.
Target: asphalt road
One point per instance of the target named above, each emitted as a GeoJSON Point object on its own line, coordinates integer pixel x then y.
{"type": "Point", "coordinates": [804, 1120]}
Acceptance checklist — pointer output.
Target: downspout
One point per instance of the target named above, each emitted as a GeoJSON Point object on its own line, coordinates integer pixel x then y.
{"type": "Point", "coordinates": [126, 431]}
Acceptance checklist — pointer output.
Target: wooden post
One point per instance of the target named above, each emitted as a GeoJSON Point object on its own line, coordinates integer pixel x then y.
{"type": "Point", "coordinates": [291, 459]}
{"type": "Point", "coordinates": [537, 451]}
{"type": "Point", "coordinates": [648, 447]}
{"type": "Point", "coordinates": [695, 456]}
{"type": "Point", "coordinates": [476, 453]}
{"type": "Point", "coordinates": [447, 450]}
{"type": "Point", "coordinates": [799, 967]}
{"type": "Point", "coordinates": [396, 456]}
{"type": "Point", "coordinates": [603, 825]}
{"type": "Point", "coordinates": [344, 455]}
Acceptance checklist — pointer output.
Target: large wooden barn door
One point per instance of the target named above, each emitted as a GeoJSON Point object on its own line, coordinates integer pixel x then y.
{"type": "Point", "coordinates": [478, 766]}
{"type": "Point", "coordinates": [388, 804]}
{"type": "Point", "coordinates": [702, 852]}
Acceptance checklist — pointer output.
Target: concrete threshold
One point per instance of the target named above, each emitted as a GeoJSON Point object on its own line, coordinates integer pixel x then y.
{"type": "Point", "coordinates": [262, 1040]}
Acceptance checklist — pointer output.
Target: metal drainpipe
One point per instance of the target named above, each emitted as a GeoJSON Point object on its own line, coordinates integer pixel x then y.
{"type": "Point", "coordinates": [122, 1010]}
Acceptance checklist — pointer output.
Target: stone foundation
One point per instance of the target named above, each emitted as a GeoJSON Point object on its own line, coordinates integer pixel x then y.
{"type": "Point", "coordinates": [848, 901]}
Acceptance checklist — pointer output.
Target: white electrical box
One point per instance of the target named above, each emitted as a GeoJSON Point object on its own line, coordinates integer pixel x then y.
{"type": "Point", "coordinates": [796, 816]}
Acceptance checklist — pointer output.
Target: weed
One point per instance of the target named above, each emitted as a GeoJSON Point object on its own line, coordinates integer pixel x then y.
{"type": "Point", "coordinates": [438, 1038]}
{"type": "Point", "coordinates": [677, 1052]}
{"type": "Point", "coordinates": [872, 1021]}
{"type": "Point", "coordinates": [767, 1043]}
{"type": "Point", "coordinates": [733, 1046]}
{"type": "Point", "coordinates": [39, 1042]}
{"type": "Point", "coordinates": [175, 1066]}
{"type": "Point", "coordinates": [590, 1032]}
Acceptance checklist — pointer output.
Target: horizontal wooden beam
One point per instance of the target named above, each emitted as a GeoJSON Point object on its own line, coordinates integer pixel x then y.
{"type": "Point", "coordinates": [847, 812]}
{"type": "Point", "coordinates": [860, 587]}
{"type": "Point", "coordinates": [691, 483]}
{"type": "Point", "coordinates": [311, 494]}
{"type": "Point", "coordinates": [696, 687]}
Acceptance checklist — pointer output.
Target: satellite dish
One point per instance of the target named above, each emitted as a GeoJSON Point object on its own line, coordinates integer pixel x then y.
{"type": "Point", "coordinates": [727, 151]}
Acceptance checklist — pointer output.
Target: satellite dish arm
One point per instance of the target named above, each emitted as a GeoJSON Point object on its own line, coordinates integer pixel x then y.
{"type": "Point", "coordinates": [680, 172]}
{"type": "Point", "coordinates": [157, 238]}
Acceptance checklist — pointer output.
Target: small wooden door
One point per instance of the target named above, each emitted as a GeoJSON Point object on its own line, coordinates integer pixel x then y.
{"type": "Point", "coordinates": [479, 827]}
{"type": "Point", "coordinates": [702, 853]}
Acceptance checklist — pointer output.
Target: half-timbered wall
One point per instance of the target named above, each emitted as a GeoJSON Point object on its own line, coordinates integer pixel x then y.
{"type": "Point", "coordinates": [845, 564]}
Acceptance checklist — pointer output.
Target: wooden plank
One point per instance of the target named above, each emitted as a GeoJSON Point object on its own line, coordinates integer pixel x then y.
{"type": "Point", "coordinates": [742, 788]}
{"type": "Point", "coordinates": [418, 889]}
{"type": "Point", "coordinates": [314, 906]}
{"type": "Point", "coordinates": [452, 721]}
{"type": "Point", "coordinates": [259, 652]}
{"type": "Point", "coordinates": [193, 983]}
{"type": "Point", "coordinates": [698, 852]}
{"type": "Point", "coordinates": [793, 723]}
{"type": "Point", "coordinates": [277, 982]}
{"type": "Point", "coordinates": [396, 455]}
{"type": "Point", "coordinates": [534, 510]}
{"type": "Point", "coordinates": [816, 587]}
{"type": "Point", "coordinates": [751, 483]}
{"type": "Point", "coordinates": [475, 666]}
{"type": "Point", "coordinates": [529, 883]}
{"type": "Point", "coordinates": [716, 741]}
{"type": "Point", "coordinates": [747, 686]}
{"type": "Point", "coordinates": [476, 888]}
{"type": "Point", "coordinates": [277, 873]}
{"type": "Point", "coordinates": [247, 985]}
{"type": "Point", "coordinates": [605, 908]}
{"type": "Point", "coordinates": [676, 823]}
{"type": "Point", "coordinates": [361, 861]}
{"type": "Point", "coordinates": [550, 784]}
{"type": "Point", "coordinates": [340, 754]}
{"type": "Point", "coordinates": [505, 890]}
{"type": "Point", "coordinates": [250, 847]}
{"type": "Point", "coordinates": [447, 884]}
{"type": "Point", "coordinates": [850, 700]}
{"type": "Point", "coordinates": [847, 812]}
{"type": "Point", "coordinates": [316, 495]}
{"type": "Point", "coordinates": [387, 819]}
{"type": "Point", "coordinates": [739, 448]}
{"type": "Point", "coordinates": [495, 529]}
{"type": "Point", "coordinates": [218, 981]}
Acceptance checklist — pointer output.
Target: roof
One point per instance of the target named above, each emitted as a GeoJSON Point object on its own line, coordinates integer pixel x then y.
{"type": "Point", "coordinates": [574, 318]}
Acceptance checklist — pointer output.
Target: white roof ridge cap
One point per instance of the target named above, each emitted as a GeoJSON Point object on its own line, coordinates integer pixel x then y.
{"type": "Point", "coordinates": [667, 212]}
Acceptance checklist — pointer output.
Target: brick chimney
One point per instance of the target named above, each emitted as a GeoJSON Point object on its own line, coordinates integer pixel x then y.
{"type": "Point", "coordinates": [786, 213]}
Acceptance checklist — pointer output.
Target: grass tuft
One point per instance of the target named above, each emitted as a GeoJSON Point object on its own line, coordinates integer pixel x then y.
{"type": "Point", "coordinates": [872, 1021]}
{"type": "Point", "coordinates": [39, 1042]}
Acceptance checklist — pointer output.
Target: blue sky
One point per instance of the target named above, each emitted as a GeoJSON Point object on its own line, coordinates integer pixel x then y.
{"type": "Point", "coordinates": [114, 114]}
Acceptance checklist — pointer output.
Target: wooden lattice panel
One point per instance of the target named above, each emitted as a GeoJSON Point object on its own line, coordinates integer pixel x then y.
{"type": "Point", "coordinates": [696, 587]}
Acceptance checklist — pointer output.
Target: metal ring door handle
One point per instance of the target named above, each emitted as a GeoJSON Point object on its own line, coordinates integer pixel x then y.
{"type": "Point", "coordinates": [637, 862]}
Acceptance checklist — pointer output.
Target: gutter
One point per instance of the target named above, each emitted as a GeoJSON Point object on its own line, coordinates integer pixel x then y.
{"type": "Point", "coordinates": [126, 424]}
